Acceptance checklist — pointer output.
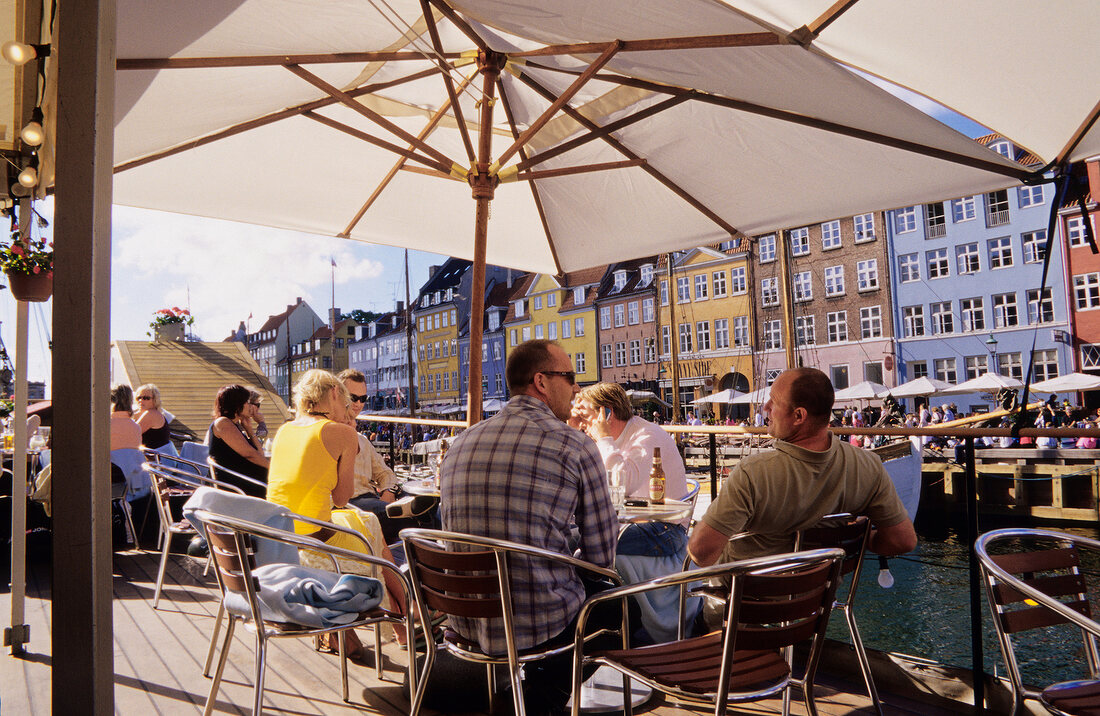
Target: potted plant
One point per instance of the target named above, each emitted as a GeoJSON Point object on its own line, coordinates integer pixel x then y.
{"type": "Point", "coordinates": [28, 264]}
{"type": "Point", "coordinates": [168, 323]}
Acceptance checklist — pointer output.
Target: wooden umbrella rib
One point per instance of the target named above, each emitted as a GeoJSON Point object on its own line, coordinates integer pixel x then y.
{"type": "Point", "coordinates": [648, 168]}
{"type": "Point", "coordinates": [433, 31]}
{"type": "Point", "coordinates": [295, 111]}
{"type": "Point", "coordinates": [349, 101]}
{"type": "Point", "coordinates": [699, 42]}
{"type": "Point", "coordinates": [534, 188]}
{"type": "Point", "coordinates": [427, 172]}
{"type": "Point", "coordinates": [383, 144]}
{"type": "Point", "coordinates": [463, 26]}
{"type": "Point", "coordinates": [585, 169]}
{"type": "Point", "coordinates": [559, 102]}
{"type": "Point", "coordinates": [177, 63]}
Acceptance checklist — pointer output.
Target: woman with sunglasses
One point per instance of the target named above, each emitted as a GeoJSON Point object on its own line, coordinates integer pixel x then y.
{"type": "Point", "coordinates": [153, 421]}
{"type": "Point", "coordinates": [233, 442]}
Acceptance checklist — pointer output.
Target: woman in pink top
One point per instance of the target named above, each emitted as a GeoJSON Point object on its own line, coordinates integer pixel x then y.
{"type": "Point", "coordinates": [125, 432]}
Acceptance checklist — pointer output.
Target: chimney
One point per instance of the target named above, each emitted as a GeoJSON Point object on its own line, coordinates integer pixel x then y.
{"type": "Point", "coordinates": [400, 306]}
{"type": "Point", "coordinates": [333, 316]}
{"type": "Point", "coordinates": [431, 271]}
{"type": "Point", "coordinates": [393, 321]}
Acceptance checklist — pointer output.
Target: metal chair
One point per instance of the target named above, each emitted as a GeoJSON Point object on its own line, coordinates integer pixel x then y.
{"type": "Point", "coordinates": [230, 541]}
{"type": "Point", "coordinates": [771, 603]}
{"type": "Point", "coordinates": [852, 534]}
{"type": "Point", "coordinates": [1033, 580]}
{"type": "Point", "coordinates": [120, 496]}
{"type": "Point", "coordinates": [476, 584]}
{"type": "Point", "coordinates": [692, 496]}
{"type": "Point", "coordinates": [214, 467]}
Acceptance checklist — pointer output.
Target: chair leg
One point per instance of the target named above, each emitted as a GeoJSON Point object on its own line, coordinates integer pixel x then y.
{"type": "Point", "coordinates": [515, 677]}
{"type": "Point", "coordinates": [261, 664]}
{"type": "Point", "coordinates": [213, 641]}
{"type": "Point", "coordinates": [342, 642]}
{"type": "Point", "coordinates": [418, 692]}
{"type": "Point", "coordinates": [378, 650]}
{"type": "Point", "coordinates": [212, 696]}
{"type": "Point", "coordinates": [861, 654]}
{"type": "Point", "coordinates": [161, 570]}
{"type": "Point", "coordinates": [491, 679]}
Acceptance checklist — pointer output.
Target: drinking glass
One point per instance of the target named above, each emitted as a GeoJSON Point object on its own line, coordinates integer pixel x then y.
{"type": "Point", "coordinates": [617, 488]}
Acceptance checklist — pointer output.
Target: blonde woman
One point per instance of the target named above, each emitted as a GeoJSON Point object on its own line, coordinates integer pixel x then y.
{"type": "Point", "coordinates": [312, 473]}
{"type": "Point", "coordinates": [153, 421]}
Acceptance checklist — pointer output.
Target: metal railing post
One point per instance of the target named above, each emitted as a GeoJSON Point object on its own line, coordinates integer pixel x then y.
{"type": "Point", "coordinates": [970, 484]}
{"type": "Point", "coordinates": [713, 466]}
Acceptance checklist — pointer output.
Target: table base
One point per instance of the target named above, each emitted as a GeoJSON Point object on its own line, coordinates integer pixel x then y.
{"type": "Point", "coordinates": [603, 692]}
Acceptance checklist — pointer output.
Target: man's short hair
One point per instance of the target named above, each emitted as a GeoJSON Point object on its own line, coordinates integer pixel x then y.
{"type": "Point", "coordinates": [812, 390]}
{"type": "Point", "coordinates": [524, 361]}
{"type": "Point", "coordinates": [351, 374]}
{"type": "Point", "coordinates": [610, 396]}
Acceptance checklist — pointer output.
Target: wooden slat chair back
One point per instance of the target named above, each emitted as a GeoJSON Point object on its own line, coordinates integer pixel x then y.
{"type": "Point", "coordinates": [771, 603]}
{"type": "Point", "coordinates": [467, 576]}
{"type": "Point", "coordinates": [1041, 585]}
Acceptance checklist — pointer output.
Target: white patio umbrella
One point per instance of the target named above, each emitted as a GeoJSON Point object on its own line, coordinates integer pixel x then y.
{"type": "Point", "coordinates": [492, 405]}
{"type": "Point", "coordinates": [984, 383]}
{"type": "Point", "coordinates": [1069, 383]}
{"type": "Point", "coordinates": [756, 397]}
{"type": "Point", "coordinates": [866, 390]}
{"type": "Point", "coordinates": [723, 396]}
{"type": "Point", "coordinates": [916, 388]}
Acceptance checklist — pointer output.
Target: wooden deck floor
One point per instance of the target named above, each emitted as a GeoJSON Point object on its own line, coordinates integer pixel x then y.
{"type": "Point", "coordinates": [159, 656]}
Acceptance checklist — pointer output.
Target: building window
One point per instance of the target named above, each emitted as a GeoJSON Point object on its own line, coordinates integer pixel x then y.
{"type": "Point", "coordinates": [721, 333]}
{"type": "Point", "coordinates": [740, 331]}
{"type": "Point", "coordinates": [872, 371]}
{"type": "Point", "coordinates": [966, 258]}
{"type": "Point", "coordinates": [719, 280]}
{"type": "Point", "coordinates": [1075, 231]}
{"type": "Point", "coordinates": [514, 337]}
{"type": "Point", "coordinates": [650, 350]}
{"type": "Point", "coordinates": [773, 336]}
{"type": "Point", "coordinates": [913, 321]}
{"type": "Point", "coordinates": [566, 328]}
{"type": "Point", "coordinates": [538, 304]}
{"type": "Point", "coordinates": [1000, 252]}
{"type": "Point", "coordinates": [945, 370]}
{"type": "Point", "coordinates": [974, 366]}
{"type": "Point", "coordinates": [1046, 365]}
{"type": "Point", "coordinates": [683, 289]}
{"type": "Point", "coordinates": [972, 311]}
{"type": "Point", "coordinates": [578, 295]}
{"type": "Point", "coordinates": [918, 369]}
{"type": "Point", "coordinates": [496, 350]}
{"type": "Point", "coordinates": [605, 318]}
{"type": "Point", "coordinates": [578, 327]}
{"type": "Point", "coordinates": [646, 275]}
{"type": "Point", "coordinates": [1030, 195]}
{"type": "Point", "coordinates": [830, 235]}
{"type": "Point", "coordinates": [620, 353]}
{"type": "Point", "coordinates": [1039, 311]}
{"type": "Point", "coordinates": [1086, 290]}
{"type": "Point", "coordinates": [996, 208]}
{"type": "Point", "coordinates": [632, 313]}
{"type": "Point", "coordinates": [1010, 364]}
{"type": "Point", "coordinates": [702, 335]}
{"type": "Point", "coordinates": [1090, 355]}
{"type": "Point", "coordinates": [804, 331]}
{"type": "Point", "coordinates": [839, 376]}
{"type": "Point", "coordinates": [552, 330]}
{"type": "Point", "coordinates": [551, 300]}
{"type": "Point", "coordinates": [538, 332]}
{"type": "Point", "coordinates": [908, 268]}
{"type": "Point", "coordinates": [963, 209]}
{"type": "Point", "coordinates": [935, 221]}
{"type": "Point", "coordinates": [943, 321]}
{"type": "Point", "coordinates": [526, 333]}
{"type": "Point", "coordinates": [1035, 246]}
{"type": "Point", "coordinates": [867, 274]}
{"type": "Point", "coordinates": [666, 340]}
{"type": "Point", "coordinates": [834, 280]}
{"type": "Point", "coordinates": [446, 381]}
{"type": "Point", "coordinates": [500, 380]}
{"type": "Point", "coordinates": [766, 247]}
{"type": "Point", "coordinates": [838, 326]}
{"type": "Point", "coordinates": [620, 280]}
{"type": "Point", "coordinates": [938, 266]}
{"type": "Point", "coordinates": [1005, 313]}
{"type": "Point", "coordinates": [664, 293]}
{"type": "Point", "coordinates": [864, 227]}
{"type": "Point", "coordinates": [685, 337]}
{"type": "Point", "coordinates": [647, 310]}
{"type": "Point", "coordinates": [803, 288]}
{"type": "Point", "coordinates": [905, 220]}
{"type": "Point", "coordinates": [769, 292]}
{"type": "Point", "coordinates": [800, 241]}
{"type": "Point", "coordinates": [605, 356]}
{"type": "Point", "coordinates": [738, 282]}
{"type": "Point", "coordinates": [579, 363]}
{"type": "Point", "coordinates": [701, 287]}
{"type": "Point", "coordinates": [620, 315]}
{"type": "Point", "coordinates": [870, 322]}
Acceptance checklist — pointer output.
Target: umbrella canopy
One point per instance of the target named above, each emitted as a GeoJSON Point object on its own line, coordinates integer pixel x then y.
{"type": "Point", "coordinates": [493, 405]}
{"type": "Point", "coordinates": [866, 390]}
{"type": "Point", "coordinates": [916, 387]}
{"type": "Point", "coordinates": [984, 383]}
{"type": "Point", "coordinates": [1069, 383]}
{"type": "Point", "coordinates": [756, 397]}
{"type": "Point", "coordinates": [722, 396]}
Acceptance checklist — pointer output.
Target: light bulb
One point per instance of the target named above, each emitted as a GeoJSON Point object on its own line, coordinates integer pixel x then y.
{"type": "Point", "coordinates": [17, 53]}
{"type": "Point", "coordinates": [19, 191]}
{"type": "Point", "coordinates": [28, 177]}
{"type": "Point", "coordinates": [32, 135]}
{"type": "Point", "coordinates": [885, 579]}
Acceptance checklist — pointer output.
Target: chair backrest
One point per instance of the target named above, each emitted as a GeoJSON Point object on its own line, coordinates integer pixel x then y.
{"type": "Point", "coordinates": [233, 557]}
{"type": "Point", "coordinates": [844, 530]}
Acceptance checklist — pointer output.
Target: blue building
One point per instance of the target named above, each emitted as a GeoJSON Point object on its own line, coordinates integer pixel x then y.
{"type": "Point", "coordinates": [965, 280]}
{"type": "Point", "coordinates": [498, 293]}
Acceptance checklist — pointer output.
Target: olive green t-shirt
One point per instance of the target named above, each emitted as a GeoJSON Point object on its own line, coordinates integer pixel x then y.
{"type": "Point", "coordinates": [773, 495]}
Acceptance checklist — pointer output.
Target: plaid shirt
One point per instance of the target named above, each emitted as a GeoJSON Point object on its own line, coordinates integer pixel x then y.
{"type": "Point", "coordinates": [525, 476]}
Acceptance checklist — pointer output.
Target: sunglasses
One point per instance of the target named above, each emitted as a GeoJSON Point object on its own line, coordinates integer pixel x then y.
{"type": "Point", "coordinates": [145, 397]}
{"type": "Point", "coordinates": [358, 398]}
{"type": "Point", "coordinates": [569, 375]}
{"type": "Point", "coordinates": [254, 402]}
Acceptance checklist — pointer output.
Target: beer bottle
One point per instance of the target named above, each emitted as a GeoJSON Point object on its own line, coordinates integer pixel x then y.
{"type": "Point", "coordinates": [657, 480]}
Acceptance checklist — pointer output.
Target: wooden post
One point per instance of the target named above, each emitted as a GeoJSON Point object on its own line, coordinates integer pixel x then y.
{"type": "Point", "coordinates": [786, 295]}
{"type": "Point", "coordinates": [82, 653]}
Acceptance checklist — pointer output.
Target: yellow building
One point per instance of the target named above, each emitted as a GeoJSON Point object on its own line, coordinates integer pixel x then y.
{"type": "Point", "coordinates": [707, 310]}
{"type": "Point", "coordinates": [435, 319]}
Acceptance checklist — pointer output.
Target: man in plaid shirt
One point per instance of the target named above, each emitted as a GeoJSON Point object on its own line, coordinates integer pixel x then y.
{"type": "Point", "coordinates": [525, 476]}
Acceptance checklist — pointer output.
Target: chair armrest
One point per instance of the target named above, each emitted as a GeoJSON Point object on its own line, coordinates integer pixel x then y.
{"type": "Point", "coordinates": [334, 527]}
{"type": "Point", "coordinates": [190, 479]}
{"type": "Point", "coordinates": [687, 556]}
{"type": "Point", "coordinates": [240, 476]}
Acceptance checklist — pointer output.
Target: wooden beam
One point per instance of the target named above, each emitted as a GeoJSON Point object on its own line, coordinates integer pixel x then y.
{"type": "Point", "coordinates": [295, 111]}
{"type": "Point", "coordinates": [433, 32]}
{"type": "Point", "coordinates": [559, 102]}
{"type": "Point", "coordinates": [700, 42]}
{"type": "Point", "coordinates": [349, 101]}
{"type": "Point", "coordinates": [381, 143]}
{"type": "Point", "coordinates": [181, 63]}
{"type": "Point", "coordinates": [567, 171]}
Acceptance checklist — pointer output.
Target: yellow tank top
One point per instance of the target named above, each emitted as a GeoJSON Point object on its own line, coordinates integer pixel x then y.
{"type": "Point", "coordinates": [302, 473]}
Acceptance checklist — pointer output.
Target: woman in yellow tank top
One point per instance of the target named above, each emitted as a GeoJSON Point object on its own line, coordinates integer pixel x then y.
{"type": "Point", "coordinates": [313, 471]}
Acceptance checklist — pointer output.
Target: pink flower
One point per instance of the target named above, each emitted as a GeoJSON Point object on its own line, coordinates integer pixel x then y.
{"type": "Point", "coordinates": [37, 269]}
{"type": "Point", "coordinates": [17, 249]}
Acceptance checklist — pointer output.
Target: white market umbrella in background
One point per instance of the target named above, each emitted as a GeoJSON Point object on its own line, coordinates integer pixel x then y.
{"type": "Point", "coordinates": [984, 383]}
{"type": "Point", "coordinates": [756, 397]}
{"type": "Point", "coordinates": [1069, 383]}
{"type": "Point", "coordinates": [866, 390]}
{"type": "Point", "coordinates": [492, 405]}
{"type": "Point", "coordinates": [917, 387]}
{"type": "Point", "coordinates": [723, 396]}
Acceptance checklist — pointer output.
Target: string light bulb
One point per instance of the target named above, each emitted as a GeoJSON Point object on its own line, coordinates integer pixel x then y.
{"type": "Point", "coordinates": [18, 53]}
{"type": "Point", "coordinates": [19, 191]}
{"type": "Point", "coordinates": [28, 177]}
{"type": "Point", "coordinates": [885, 578]}
{"type": "Point", "coordinates": [33, 134]}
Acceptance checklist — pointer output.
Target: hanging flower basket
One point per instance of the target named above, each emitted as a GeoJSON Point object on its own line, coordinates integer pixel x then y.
{"type": "Point", "coordinates": [34, 287]}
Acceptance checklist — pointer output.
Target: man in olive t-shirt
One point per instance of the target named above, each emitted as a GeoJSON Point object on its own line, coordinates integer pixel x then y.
{"type": "Point", "coordinates": [810, 474]}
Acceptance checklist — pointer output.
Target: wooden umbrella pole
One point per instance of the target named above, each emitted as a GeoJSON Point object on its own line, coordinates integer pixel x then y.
{"type": "Point", "coordinates": [483, 185]}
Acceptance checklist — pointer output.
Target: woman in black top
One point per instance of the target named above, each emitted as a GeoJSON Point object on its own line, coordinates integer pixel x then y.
{"type": "Point", "coordinates": [152, 421]}
{"type": "Point", "coordinates": [233, 442]}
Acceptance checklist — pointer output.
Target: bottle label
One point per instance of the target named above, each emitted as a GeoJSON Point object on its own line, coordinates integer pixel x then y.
{"type": "Point", "coordinates": [657, 490]}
